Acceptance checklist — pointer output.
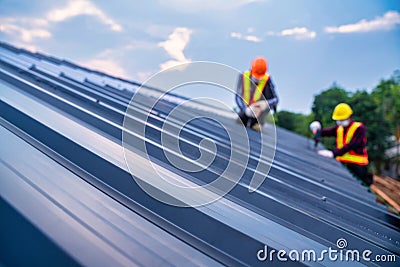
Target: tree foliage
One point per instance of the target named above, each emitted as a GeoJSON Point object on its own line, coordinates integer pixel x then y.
{"type": "Point", "coordinates": [325, 102]}
{"type": "Point", "coordinates": [378, 131]}
{"type": "Point", "coordinates": [378, 110]}
{"type": "Point", "coordinates": [295, 122]}
{"type": "Point", "coordinates": [387, 97]}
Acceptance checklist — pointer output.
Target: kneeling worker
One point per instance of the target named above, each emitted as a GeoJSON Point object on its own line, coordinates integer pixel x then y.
{"type": "Point", "coordinates": [255, 95]}
{"type": "Point", "coordinates": [351, 142]}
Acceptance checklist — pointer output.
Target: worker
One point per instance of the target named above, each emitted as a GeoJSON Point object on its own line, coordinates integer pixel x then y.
{"type": "Point", "coordinates": [351, 142]}
{"type": "Point", "coordinates": [255, 95]}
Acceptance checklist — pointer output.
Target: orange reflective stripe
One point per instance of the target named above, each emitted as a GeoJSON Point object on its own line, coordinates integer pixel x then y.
{"type": "Point", "coordinates": [247, 88]}
{"type": "Point", "coordinates": [341, 141]}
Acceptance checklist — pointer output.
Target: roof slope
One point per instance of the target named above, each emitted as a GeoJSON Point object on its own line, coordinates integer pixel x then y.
{"type": "Point", "coordinates": [63, 172]}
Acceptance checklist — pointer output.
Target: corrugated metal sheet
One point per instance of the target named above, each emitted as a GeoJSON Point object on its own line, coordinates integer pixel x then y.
{"type": "Point", "coordinates": [63, 173]}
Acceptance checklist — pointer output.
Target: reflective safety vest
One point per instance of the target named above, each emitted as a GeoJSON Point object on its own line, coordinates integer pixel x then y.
{"type": "Point", "coordinates": [248, 100]}
{"type": "Point", "coordinates": [342, 140]}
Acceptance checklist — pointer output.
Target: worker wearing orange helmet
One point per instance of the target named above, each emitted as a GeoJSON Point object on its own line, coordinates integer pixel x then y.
{"type": "Point", "coordinates": [255, 94]}
{"type": "Point", "coordinates": [351, 142]}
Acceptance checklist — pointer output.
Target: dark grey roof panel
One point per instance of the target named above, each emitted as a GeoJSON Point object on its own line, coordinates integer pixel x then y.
{"type": "Point", "coordinates": [305, 197]}
{"type": "Point", "coordinates": [92, 227]}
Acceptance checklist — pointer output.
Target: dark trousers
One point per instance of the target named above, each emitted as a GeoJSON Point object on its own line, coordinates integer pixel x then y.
{"type": "Point", "coordinates": [361, 172]}
{"type": "Point", "coordinates": [247, 120]}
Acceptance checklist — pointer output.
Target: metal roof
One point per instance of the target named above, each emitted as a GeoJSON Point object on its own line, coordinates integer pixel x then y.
{"type": "Point", "coordinates": [64, 182]}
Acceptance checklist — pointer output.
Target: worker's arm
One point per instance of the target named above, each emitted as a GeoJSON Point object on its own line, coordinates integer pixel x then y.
{"type": "Point", "coordinates": [270, 94]}
{"type": "Point", "coordinates": [329, 132]}
{"type": "Point", "coordinates": [239, 94]}
{"type": "Point", "coordinates": [355, 142]}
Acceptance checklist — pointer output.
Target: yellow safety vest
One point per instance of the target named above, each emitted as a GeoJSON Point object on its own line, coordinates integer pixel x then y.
{"type": "Point", "coordinates": [248, 100]}
{"type": "Point", "coordinates": [341, 140]}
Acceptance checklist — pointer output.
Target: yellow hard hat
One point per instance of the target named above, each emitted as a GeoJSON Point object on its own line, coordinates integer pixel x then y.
{"type": "Point", "coordinates": [342, 112]}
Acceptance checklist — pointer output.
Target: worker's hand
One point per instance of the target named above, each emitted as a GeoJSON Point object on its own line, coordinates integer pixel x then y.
{"type": "Point", "coordinates": [315, 126]}
{"type": "Point", "coordinates": [257, 110]}
{"type": "Point", "coordinates": [255, 107]}
{"type": "Point", "coordinates": [259, 107]}
{"type": "Point", "coordinates": [253, 111]}
{"type": "Point", "coordinates": [262, 105]}
{"type": "Point", "coordinates": [326, 153]}
{"type": "Point", "coordinates": [317, 135]}
{"type": "Point", "coordinates": [249, 112]}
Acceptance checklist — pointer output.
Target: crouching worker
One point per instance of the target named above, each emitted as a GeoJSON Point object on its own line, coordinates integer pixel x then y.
{"type": "Point", "coordinates": [255, 95]}
{"type": "Point", "coordinates": [351, 142]}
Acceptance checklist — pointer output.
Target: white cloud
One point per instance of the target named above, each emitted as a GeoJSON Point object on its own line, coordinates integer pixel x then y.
{"type": "Point", "coordinates": [387, 22]}
{"type": "Point", "coordinates": [26, 46]}
{"type": "Point", "coordinates": [142, 76]}
{"type": "Point", "coordinates": [25, 30]}
{"type": "Point", "coordinates": [28, 35]}
{"type": "Point", "coordinates": [194, 6]}
{"type": "Point", "coordinates": [236, 35]}
{"type": "Point", "coordinates": [171, 64]}
{"type": "Point", "coordinates": [175, 45]}
{"type": "Point", "coordinates": [81, 7]}
{"type": "Point", "coordinates": [299, 33]}
{"type": "Point", "coordinates": [24, 34]}
{"type": "Point", "coordinates": [112, 60]}
{"type": "Point", "coordinates": [106, 65]}
{"type": "Point", "coordinates": [33, 22]}
{"type": "Point", "coordinates": [250, 38]}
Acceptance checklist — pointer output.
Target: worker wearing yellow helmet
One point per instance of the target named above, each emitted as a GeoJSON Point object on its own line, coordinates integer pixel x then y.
{"type": "Point", "coordinates": [350, 142]}
{"type": "Point", "coordinates": [255, 95]}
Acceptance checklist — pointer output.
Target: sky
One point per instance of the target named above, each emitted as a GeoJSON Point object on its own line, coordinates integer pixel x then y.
{"type": "Point", "coordinates": [309, 44]}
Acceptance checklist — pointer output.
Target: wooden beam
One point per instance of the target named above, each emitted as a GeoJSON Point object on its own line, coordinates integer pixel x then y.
{"type": "Point", "coordinates": [388, 182]}
{"type": "Point", "coordinates": [382, 194]}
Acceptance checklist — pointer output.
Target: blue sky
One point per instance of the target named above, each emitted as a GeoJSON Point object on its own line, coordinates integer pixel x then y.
{"type": "Point", "coordinates": [309, 43]}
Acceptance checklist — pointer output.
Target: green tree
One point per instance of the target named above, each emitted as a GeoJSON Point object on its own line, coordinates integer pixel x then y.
{"type": "Point", "coordinates": [325, 102]}
{"type": "Point", "coordinates": [378, 129]}
{"type": "Point", "coordinates": [379, 111]}
{"type": "Point", "coordinates": [286, 119]}
{"type": "Point", "coordinates": [295, 122]}
{"type": "Point", "coordinates": [387, 97]}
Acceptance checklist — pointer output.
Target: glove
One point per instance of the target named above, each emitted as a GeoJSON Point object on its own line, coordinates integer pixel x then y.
{"type": "Point", "coordinates": [262, 105]}
{"type": "Point", "coordinates": [249, 112]}
{"type": "Point", "coordinates": [253, 111]}
{"type": "Point", "coordinates": [315, 126]}
{"type": "Point", "coordinates": [326, 153]}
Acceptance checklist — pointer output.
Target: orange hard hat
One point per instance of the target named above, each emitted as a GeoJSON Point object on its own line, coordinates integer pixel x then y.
{"type": "Point", "coordinates": [259, 67]}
